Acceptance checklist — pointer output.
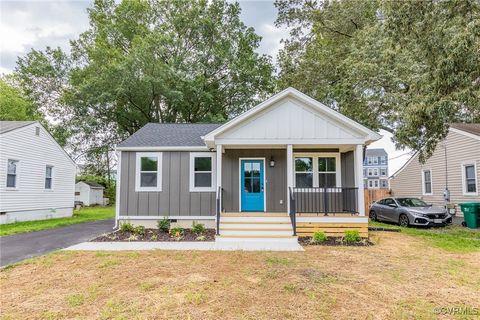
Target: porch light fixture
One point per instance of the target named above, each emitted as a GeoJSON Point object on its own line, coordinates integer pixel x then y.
{"type": "Point", "coordinates": [272, 162]}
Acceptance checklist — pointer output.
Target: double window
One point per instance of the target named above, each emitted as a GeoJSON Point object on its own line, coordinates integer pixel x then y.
{"type": "Point", "coordinates": [12, 171]}
{"type": "Point", "coordinates": [373, 184]}
{"type": "Point", "coordinates": [148, 171]}
{"type": "Point", "coordinates": [48, 177]}
{"type": "Point", "coordinates": [317, 171]}
{"type": "Point", "coordinates": [469, 179]}
{"type": "Point", "coordinates": [202, 177]}
{"type": "Point", "coordinates": [427, 181]}
{"type": "Point", "coordinates": [373, 172]}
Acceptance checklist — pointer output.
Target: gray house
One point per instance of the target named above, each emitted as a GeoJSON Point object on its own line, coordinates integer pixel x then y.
{"type": "Point", "coordinates": [375, 169]}
{"type": "Point", "coordinates": [286, 167]}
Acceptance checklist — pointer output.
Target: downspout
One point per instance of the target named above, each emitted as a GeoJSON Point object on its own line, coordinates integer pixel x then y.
{"type": "Point", "coordinates": [117, 189]}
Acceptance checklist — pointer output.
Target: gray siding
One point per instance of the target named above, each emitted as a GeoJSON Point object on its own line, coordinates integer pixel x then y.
{"type": "Point", "coordinates": [348, 166]}
{"type": "Point", "coordinates": [175, 199]}
{"type": "Point", "coordinates": [276, 178]}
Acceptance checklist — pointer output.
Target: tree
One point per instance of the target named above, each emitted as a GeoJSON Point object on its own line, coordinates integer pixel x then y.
{"type": "Point", "coordinates": [167, 61]}
{"type": "Point", "coordinates": [14, 106]}
{"type": "Point", "coordinates": [407, 67]}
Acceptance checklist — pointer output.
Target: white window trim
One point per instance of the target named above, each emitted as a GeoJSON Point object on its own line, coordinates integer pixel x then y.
{"type": "Point", "coordinates": [17, 176]}
{"type": "Point", "coordinates": [52, 177]}
{"type": "Point", "coordinates": [140, 155]}
{"type": "Point", "coordinates": [371, 184]}
{"type": "Point", "coordinates": [315, 172]}
{"type": "Point", "coordinates": [194, 155]}
{"type": "Point", "coordinates": [423, 182]}
{"type": "Point", "coordinates": [464, 178]}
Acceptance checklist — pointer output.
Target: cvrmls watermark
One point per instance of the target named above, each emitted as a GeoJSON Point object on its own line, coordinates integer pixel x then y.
{"type": "Point", "coordinates": [464, 310]}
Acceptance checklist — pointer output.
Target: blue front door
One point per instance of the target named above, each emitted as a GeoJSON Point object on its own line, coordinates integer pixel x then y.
{"type": "Point", "coordinates": [252, 189]}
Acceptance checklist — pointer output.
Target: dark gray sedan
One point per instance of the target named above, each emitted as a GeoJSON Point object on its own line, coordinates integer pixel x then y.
{"type": "Point", "coordinates": [409, 211]}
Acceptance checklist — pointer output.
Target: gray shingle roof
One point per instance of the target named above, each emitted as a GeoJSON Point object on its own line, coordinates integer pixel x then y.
{"type": "Point", "coordinates": [170, 135]}
{"type": "Point", "coordinates": [375, 153]}
{"type": "Point", "coordinates": [94, 184]}
{"type": "Point", "coordinates": [6, 126]}
{"type": "Point", "coordinates": [473, 128]}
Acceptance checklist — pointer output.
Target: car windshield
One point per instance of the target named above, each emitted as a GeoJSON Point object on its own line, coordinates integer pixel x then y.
{"type": "Point", "coordinates": [411, 202]}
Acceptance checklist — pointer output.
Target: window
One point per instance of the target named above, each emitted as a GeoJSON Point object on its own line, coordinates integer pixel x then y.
{"type": "Point", "coordinates": [372, 172]}
{"type": "Point", "coordinates": [373, 184]}
{"type": "Point", "coordinates": [12, 172]}
{"type": "Point", "coordinates": [48, 177]}
{"type": "Point", "coordinates": [427, 181]}
{"type": "Point", "coordinates": [383, 171]}
{"type": "Point", "coordinates": [375, 160]}
{"type": "Point", "coordinates": [202, 177]}
{"type": "Point", "coordinates": [304, 172]}
{"type": "Point", "coordinates": [327, 173]}
{"type": "Point", "coordinates": [388, 201]}
{"type": "Point", "coordinates": [383, 160]}
{"type": "Point", "coordinates": [369, 160]}
{"type": "Point", "coordinates": [148, 171]}
{"type": "Point", "coordinates": [384, 183]}
{"type": "Point", "coordinates": [317, 170]}
{"type": "Point", "coordinates": [469, 179]}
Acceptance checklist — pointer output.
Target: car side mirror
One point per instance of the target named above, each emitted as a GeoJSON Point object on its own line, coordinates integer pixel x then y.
{"type": "Point", "coordinates": [393, 205]}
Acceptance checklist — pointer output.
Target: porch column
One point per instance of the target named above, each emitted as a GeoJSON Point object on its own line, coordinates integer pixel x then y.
{"type": "Point", "coordinates": [290, 177]}
{"type": "Point", "coordinates": [219, 166]}
{"type": "Point", "coordinates": [359, 178]}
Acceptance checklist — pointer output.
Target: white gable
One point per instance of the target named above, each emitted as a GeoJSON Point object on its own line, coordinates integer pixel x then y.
{"type": "Point", "coordinates": [290, 117]}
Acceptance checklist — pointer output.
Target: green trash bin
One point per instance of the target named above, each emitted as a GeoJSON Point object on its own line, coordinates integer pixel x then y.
{"type": "Point", "coordinates": [471, 214]}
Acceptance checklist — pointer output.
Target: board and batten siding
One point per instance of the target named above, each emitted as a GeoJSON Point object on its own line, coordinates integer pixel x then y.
{"type": "Point", "coordinates": [34, 153]}
{"type": "Point", "coordinates": [460, 149]}
{"type": "Point", "coordinates": [175, 199]}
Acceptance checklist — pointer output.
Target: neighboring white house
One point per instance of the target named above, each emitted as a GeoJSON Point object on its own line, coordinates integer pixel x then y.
{"type": "Point", "coordinates": [89, 193]}
{"type": "Point", "coordinates": [37, 177]}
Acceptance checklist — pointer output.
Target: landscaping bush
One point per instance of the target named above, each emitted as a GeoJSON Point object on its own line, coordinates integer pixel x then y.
{"type": "Point", "coordinates": [319, 237]}
{"type": "Point", "coordinates": [140, 230]}
{"type": "Point", "coordinates": [352, 236]}
{"type": "Point", "coordinates": [127, 227]}
{"type": "Point", "coordinates": [164, 225]}
{"type": "Point", "coordinates": [176, 232]}
{"type": "Point", "coordinates": [198, 228]}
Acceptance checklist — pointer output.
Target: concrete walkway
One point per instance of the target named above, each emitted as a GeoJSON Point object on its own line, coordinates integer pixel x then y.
{"type": "Point", "coordinates": [245, 245]}
{"type": "Point", "coordinates": [26, 245]}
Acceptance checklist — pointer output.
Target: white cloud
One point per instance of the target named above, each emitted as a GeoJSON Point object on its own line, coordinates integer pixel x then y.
{"type": "Point", "coordinates": [271, 39]}
{"type": "Point", "coordinates": [396, 158]}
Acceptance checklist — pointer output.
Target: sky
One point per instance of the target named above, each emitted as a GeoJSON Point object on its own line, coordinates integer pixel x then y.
{"type": "Point", "coordinates": [39, 23]}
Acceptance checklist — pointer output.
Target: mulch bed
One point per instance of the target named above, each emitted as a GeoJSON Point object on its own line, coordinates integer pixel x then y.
{"type": "Point", "coordinates": [153, 235]}
{"type": "Point", "coordinates": [334, 241]}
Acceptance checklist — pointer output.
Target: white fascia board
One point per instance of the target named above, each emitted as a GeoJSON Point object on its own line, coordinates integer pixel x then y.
{"type": "Point", "coordinates": [284, 142]}
{"type": "Point", "coordinates": [467, 134]}
{"type": "Point", "coordinates": [166, 148]}
{"type": "Point", "coordinates": [369, 134]}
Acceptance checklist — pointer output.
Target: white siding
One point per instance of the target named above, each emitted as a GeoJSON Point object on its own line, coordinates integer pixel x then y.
{"type": "Point", "coordinates": [84, 196]}
{"type": "Point", "coordinates": [34, 153]}
{"type": "Point", "coordinates": [460, 149]}
{"type": "Point", "coordinates": [290, 119]}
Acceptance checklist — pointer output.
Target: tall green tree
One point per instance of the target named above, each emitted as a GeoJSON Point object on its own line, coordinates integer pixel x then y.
{"type": "Point", "coordinates": [14, 106]}
{"type": "Point", "coordinates": [167, 61]}
{"type": "Point", "coordinates": [409, 67]}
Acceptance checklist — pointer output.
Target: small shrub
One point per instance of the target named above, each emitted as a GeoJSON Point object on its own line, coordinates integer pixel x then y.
{"type": "Point", "coordinates": [127, 227]}
{"type": "Point", "coordinates": [164, 225]}
{"type": "Point", "coordinates": [352, 236]}
{"type": "Point", "coordinates": [201, 238]}
{"type": "Point", "coordinates": [176, 232]}
{"type": "Point", "coordinates": [198, 228]}
{"type": "Point", "coordinates": [133, 237]}
{"type": "Point", "coordinates": [154, 237]}
{"type": "Point", "coordinates": [319, 237]}
{"type": "Point", "coordinates": [140, 230]}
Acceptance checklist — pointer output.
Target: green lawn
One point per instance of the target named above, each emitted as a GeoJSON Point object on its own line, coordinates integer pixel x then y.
{"type": "Point", "coordinates": [452, 238]}
{"type": "Point", "coordinates": [79, 216]}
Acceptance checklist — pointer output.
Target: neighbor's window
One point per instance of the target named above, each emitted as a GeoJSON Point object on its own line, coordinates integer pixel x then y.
{"type": "Point", "coordinates": [148, 171]}
{"type": "Point", "coordinates": [427, 181]}
{"type": "Point", "coordinates": [327, 172]}
{"type": "Point", "coordinates": [202, 171]}
{"type": "Point", "coordinates": [12, 173]}
{"type": "Point", "coordinates": [384, 184]}
{"type": "Point", "coordinates": [383, 160]}
{"type": "Point", "coordinates": [304, 172]}
{"type": "Point", "coordinates": [48, 177]}
{"type": "Point", "coordinates": [469, 179]}
{"type": "Point", "coordinates": [383, 171]}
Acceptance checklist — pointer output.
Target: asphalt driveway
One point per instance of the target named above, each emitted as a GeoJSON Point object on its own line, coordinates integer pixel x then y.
{"type": "Point", "coordinates": [26, 245]}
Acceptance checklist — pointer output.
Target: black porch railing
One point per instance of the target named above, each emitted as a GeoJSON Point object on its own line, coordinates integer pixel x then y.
{"type": "Point", "coordinates": [292, 213]}
{"type": "Point", "coordinates": [326, 200]}
{"type": "Point", "coordinates": [219, 208]}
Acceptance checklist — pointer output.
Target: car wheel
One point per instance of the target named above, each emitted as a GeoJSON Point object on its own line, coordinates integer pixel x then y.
{"type": "Point", "coordinates": [372, 215]}
{"type": "Point", "coordinates": [403, 220]}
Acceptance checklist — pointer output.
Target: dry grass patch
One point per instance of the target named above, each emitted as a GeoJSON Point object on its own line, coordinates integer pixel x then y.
{"type": "Point", "coordinates": [401, 277]}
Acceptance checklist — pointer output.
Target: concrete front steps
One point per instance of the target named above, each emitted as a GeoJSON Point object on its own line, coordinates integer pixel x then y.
{"type": "Point", "coordinates": [256, 225]}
